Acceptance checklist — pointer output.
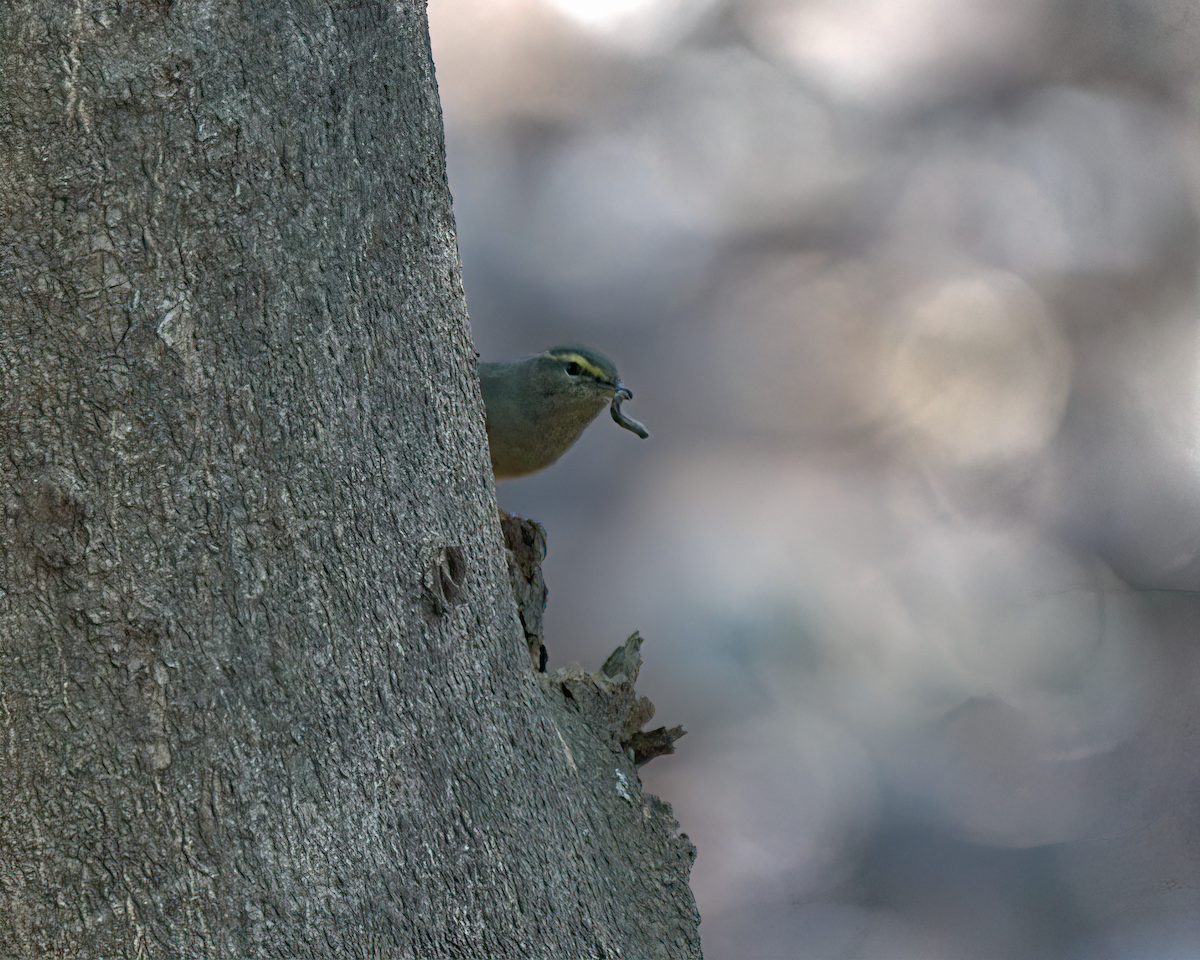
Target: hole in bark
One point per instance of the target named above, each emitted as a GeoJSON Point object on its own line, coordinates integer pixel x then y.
{"type": "Point", "coordinates": [452, 568]}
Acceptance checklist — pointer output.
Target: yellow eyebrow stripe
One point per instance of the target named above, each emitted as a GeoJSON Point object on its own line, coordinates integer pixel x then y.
{"type": "Point", "coordinates": [587, 365]}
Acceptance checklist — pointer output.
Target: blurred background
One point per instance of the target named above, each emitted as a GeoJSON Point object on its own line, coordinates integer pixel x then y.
{"type": "Point", "coordinates": [906, 291]}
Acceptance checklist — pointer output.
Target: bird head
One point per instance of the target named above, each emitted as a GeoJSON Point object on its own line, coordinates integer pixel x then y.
{"type": "Point", "coordinates": [580, 373]}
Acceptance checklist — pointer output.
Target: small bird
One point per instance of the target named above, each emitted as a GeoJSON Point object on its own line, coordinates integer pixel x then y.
{"type": "Point", "coordinates": [538, 406]}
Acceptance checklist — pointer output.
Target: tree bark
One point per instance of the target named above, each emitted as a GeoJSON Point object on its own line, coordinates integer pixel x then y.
{"type": "Point", "coordinates": [263, 690]}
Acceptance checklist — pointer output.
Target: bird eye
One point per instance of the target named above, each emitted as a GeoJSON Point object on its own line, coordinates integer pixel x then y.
{"type": "Point", "coordinates": [574, 369]}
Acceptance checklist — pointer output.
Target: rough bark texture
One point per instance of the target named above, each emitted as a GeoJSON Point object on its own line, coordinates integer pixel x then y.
{"type": "Point", "coordinates": [525, 549]}
{"type": "Point", "coordinates": [263, 690]}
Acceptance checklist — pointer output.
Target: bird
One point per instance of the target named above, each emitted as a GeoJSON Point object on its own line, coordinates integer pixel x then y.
{"type": "Point", "coordinates": [538, 406]}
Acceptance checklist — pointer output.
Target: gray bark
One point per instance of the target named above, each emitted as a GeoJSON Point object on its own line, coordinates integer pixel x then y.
{"type": "Point", "coordinates": [263, 690]}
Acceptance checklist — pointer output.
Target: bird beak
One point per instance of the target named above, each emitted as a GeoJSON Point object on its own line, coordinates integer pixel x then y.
{"type": "Point", "coordinates": [623, 392]}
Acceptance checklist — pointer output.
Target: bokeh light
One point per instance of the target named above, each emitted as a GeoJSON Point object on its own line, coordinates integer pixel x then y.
{"type": "Point", "coordinates": [906, 291]}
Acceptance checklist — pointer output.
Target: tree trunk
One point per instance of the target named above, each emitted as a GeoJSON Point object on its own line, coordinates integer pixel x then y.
{"type": "Point", "coordinates": [263, 691]}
